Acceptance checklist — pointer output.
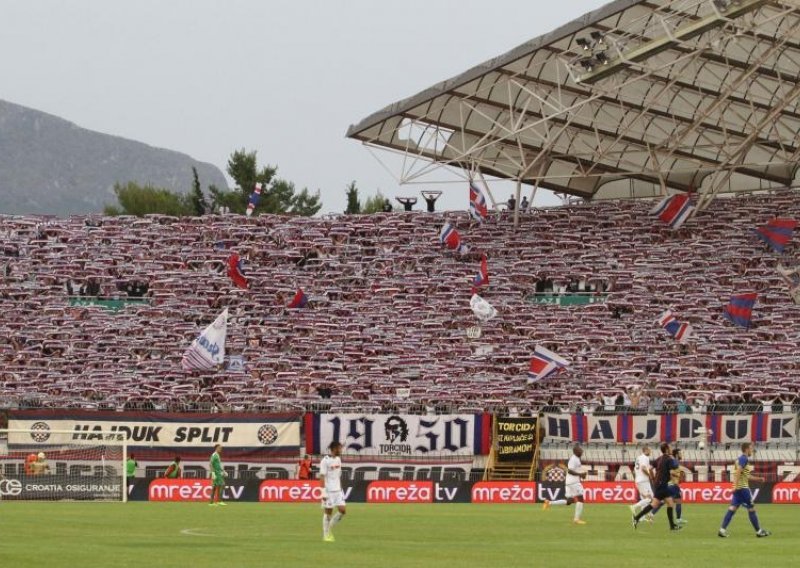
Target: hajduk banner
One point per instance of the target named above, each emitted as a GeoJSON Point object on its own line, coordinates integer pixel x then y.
{"type": "Point", "coordinates": [515, 439]}
{"type": "Point", "coordinates": [269, 434]}
{"type": "Point", "coordinates": [400, 435]}
{"type": "Point", "coordinates": [654, 428]}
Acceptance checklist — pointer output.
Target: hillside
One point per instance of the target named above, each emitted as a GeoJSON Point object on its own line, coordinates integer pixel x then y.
{"type": "Point", "coordinates": [51, 166]}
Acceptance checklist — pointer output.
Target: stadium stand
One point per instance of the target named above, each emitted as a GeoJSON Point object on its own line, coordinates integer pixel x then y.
{"type": "Point", "coordinates": [385, 330]}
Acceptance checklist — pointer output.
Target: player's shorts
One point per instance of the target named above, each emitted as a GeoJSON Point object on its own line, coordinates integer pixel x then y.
{"type": "Point", "coordinates": [573, 490]}
{"type": "Point", "coordinates": [218, 480]}
{"type": "Point", "coordinates": [675, 490]}
{"type": "Point", "coordinates": [645, 490]}
{"type": "Point", "coordinates": [662, 493]}
{"type": "Point", "coordinates": [334, 499]}
{"type": "Point", "coordinates": [742, 497]}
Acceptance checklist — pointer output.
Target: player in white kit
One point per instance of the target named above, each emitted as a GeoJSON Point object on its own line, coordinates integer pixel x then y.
{"type": "Point", "coordinates": [643, 473]}
{"type": "Point", "coordinates": [330, 477]}
{"type": "Point", "coordinates": [573, 488]}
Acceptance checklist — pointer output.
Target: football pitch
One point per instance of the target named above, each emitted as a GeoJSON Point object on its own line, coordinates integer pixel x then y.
{"type": "Point", "coordinates": [162, 535]}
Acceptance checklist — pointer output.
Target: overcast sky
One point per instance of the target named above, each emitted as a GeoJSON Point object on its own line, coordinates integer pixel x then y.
{"type": "Point", "coordinates": [284, 77]}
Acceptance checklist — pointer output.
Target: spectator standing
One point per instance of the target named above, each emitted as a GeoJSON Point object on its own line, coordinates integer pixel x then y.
{"type": "Point", "coordinates": [304, 467]}
{"type": "Point", "coordinates": [174, 471]}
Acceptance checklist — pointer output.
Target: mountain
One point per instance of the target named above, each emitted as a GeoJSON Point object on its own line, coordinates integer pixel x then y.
{"type": "Point", "coordinates": [51, 166]}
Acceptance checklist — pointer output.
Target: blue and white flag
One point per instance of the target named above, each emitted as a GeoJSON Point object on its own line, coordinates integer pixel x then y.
{"type": "Point", "coordinates": [208, 351]}
{"type": "Point", "coordinates": [681, 332]}
{"type": "Point", "coordinates": [544, 364]}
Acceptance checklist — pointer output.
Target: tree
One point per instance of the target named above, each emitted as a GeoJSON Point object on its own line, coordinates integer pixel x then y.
{"type": "Point", "coordinates": [196, 199]}
{"type": "Point", "coordinates": [277, 196]}
{"type": "Point", "coordinates": [138, 200]}
{"type": "Point", "coordinates": [305, 204]}
{"type": "Point", "coordinates": [374, 204]}
{"type": "Point", "coordinates": [353, 203]}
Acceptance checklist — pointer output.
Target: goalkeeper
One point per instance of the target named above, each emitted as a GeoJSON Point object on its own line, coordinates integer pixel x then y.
{"type": "Point", "coordinates": [217, 476]}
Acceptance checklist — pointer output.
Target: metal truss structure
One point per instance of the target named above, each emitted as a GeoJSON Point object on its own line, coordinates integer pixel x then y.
{"type": "Point", "coordinates": [640, 98]}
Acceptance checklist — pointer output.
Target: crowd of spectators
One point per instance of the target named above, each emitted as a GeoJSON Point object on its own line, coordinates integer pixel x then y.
{"type": "Point", "coordinates": [389, 310]}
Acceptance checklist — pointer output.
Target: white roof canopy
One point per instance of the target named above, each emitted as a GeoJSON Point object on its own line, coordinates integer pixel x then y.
{"type": "Point", "coordinates": [631, 100]}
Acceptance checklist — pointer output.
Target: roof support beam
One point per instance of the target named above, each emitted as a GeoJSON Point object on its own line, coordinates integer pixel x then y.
{"type": "Point", "coordinates": [588, 165]}
{"type": "Point", "coordinates": [670, 40]}
{"type": "Point", "coordinates": [634, 107]}
{"type": "Point", "coordinates": [740, 151]}
{"type": "Point", "coordinates": [679, 85]}
{"type": "Point", "coordinates": [480, 168]}
{"type": "Point", "coordinates": [644, 144]}
{"type": "Point", "coordinates": [687, 100]}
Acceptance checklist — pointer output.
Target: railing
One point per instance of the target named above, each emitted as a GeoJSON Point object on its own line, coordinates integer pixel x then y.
{"type": "Point", "coordinates": [568, 298]}
{"type": "Point", "coordinates": [109, 303]}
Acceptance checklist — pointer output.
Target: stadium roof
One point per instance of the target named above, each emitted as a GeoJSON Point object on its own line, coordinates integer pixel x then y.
{"type": "Point", "coordinates": [631, 100]}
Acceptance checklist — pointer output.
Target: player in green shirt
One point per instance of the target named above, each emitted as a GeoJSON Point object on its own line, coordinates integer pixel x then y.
{"type": "Point", "coordinates": [131, 465]}
{"type": "Point", "coordinates": [130, 468]}
{"type": "Point", "coordinates": [217, 476]}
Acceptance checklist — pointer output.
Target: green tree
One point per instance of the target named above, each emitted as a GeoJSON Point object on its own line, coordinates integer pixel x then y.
{"type": "Point", "coordinates": [197, 200]}
{"type": "Point", "coordinates": [374, 204]}
{"type": "Point", "coordinates": [138, 200]}
{"type": "Point", "coordinates": [277, 196]}
{"type": "Point", "coordinates": [353, 203]}
{"type": "Point", "coordinates": [305, 204]}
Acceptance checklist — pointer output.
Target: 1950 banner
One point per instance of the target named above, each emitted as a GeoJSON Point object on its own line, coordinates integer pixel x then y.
{"type": "Point", "coordinates": [400, 435]}
{"type": "Point", "coordinates": [270, 434]}
{"type": "Point", "coordinates": [651, 428]}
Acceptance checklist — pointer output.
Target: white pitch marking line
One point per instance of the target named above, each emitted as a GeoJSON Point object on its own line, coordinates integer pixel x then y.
{"type": "Point", "coordinates": [193, 532]}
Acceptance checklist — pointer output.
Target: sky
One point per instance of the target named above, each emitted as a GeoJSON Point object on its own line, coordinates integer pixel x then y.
{"type": "Point", "coordinates": [283, 77]}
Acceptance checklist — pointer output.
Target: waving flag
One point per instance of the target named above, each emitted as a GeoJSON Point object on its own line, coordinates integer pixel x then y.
{"type": "Point", "coordinates": [792, 278]}
{"type": "Point", "coordinates": [545, 363]}
{"type": "Point", "coordinates": [482, 309]}
{"type": "Point", "coordinates": [679, 331]}
{"type": "Point", "coordinates": [740, 309]}
{"type": "Point", "coordinates": [235, 271]}
{"type": "Point", "coordinates": [452, 240]}
{"type": "Point", "coordinates": [482, 277]}
{"type": "Point", "coordinates": [255, 197]}
{"type": "Point", "coordinates": [300, 300]}
{"type": "Point", "coordinates": [790, 275]}
{"type": "Point", "coordinates": [777, 233]}
{"type": "Point", "coordinates": [674, 210]}
{"type": "Point", "coordinates": [208, 350]}
{"type": "Point", "coordinates": [477, 204]}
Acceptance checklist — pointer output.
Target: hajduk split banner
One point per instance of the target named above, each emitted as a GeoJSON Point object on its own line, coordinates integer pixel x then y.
{"type": "Point", "coordinates": [653, 428]}
{"type": "Point", "coordinates": [400, 435]}
{"type": "Point", "coordinates": [266, 434]}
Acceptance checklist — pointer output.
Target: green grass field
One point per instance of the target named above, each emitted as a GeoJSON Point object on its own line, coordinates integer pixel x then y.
{"type": "Point", "coordinates": [157, 535]}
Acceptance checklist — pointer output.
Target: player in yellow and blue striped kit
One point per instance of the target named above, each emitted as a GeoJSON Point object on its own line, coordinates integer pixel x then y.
{"type": "Point", "coordinates": [742, 495]}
